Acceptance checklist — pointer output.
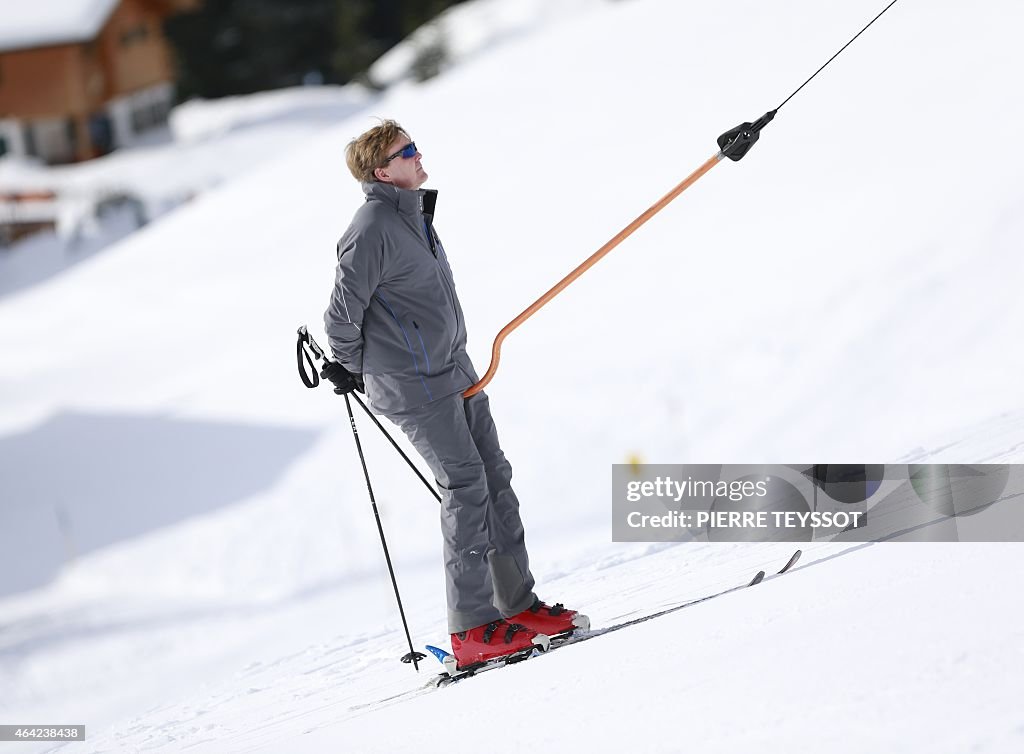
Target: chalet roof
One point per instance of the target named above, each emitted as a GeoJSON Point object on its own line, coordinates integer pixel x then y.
{"type": "Point", "coordinates": [27, 24]}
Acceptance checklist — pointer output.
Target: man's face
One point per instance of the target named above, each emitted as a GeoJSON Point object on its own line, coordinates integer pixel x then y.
{"type": "Point", "coordinates": [404, 172]}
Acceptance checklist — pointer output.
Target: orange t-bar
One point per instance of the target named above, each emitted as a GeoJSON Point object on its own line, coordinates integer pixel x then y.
{"type": "Point", "coordinates": [621, 236]}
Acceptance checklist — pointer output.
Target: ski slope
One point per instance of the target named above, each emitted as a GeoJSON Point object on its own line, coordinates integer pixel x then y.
{"type": "Point", "coordinates": [187, 556]}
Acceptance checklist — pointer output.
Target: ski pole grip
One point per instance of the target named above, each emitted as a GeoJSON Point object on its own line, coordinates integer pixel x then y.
{"type": "Point", "coordinates": [307, 349]}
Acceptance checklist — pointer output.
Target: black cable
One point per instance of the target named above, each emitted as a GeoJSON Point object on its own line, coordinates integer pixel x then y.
{"type": "Point", "coordinates": [837, 54]}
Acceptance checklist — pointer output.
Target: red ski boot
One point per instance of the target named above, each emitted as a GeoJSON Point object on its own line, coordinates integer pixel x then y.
{"type": "Point", "coordinates": [496, 639]}
{"type": "Point", "coordinates": [551, 620]}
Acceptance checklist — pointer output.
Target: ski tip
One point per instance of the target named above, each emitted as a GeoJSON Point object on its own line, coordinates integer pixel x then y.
{"type": "Point", "coordinates": [439, 653]}
{"type": "Point", "coordinates": [446, 658]}
{"type": "Point", "coordinates": [757, 579]}
{"type": "Point", "coordinates": [792, 561]}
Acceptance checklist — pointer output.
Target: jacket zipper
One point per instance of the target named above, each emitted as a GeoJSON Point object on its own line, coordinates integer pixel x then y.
{"type": "Point", "coordinates": [451, 292]}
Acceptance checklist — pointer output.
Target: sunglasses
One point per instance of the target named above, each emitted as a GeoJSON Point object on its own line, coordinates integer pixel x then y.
{"type": "Point", "coordinates": [409, 150]}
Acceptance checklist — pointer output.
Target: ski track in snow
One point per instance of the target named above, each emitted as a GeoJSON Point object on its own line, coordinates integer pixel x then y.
{"type": "Point", "coordinates": [314, 699]}
{"type": "Point", "coordinates": [290, 677]}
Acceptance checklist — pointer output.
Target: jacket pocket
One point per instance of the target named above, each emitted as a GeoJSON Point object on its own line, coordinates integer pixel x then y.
{"type": "Point", "coordinates": [423, 346]}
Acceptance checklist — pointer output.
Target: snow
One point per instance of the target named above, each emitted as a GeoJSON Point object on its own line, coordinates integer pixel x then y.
{"type": "Point", "coordinates": [306, 107]}
{"type": "Point", "coordinates": [205, 145]}
{"type": "Point", "coordinates": [187, 556]}
{"type": "Point", "coordinates": [749, 671]}
{"type": "Point", "coordinates": [51, 22]}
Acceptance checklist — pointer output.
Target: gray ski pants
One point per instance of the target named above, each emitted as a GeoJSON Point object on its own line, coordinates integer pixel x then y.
{"type": "Point", "coordinates": [487, 570]}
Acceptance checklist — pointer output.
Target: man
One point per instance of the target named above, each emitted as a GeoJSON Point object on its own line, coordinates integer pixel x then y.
{"type": "Point", "coordinates": [395, 326]}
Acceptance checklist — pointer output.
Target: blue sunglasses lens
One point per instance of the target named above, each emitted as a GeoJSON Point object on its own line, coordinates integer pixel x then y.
{"type": "Point", "coordinates": [406, 152]}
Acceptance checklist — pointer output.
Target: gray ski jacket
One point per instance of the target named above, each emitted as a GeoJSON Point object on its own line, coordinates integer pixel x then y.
{"type": "Point", "coordinates": [394, 316]}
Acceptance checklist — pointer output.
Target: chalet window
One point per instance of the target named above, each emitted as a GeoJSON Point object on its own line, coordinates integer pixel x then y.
{"type": "Point", "coordinates": [72, 134]}
{"type": "Point", "coordinates": [101, 132]}
{"type": "Point", "coordinates": [31, 148]}
{"type": "Point", "coordinates": [148, 112]}
{"type": "Point", "coordinates": [142, 118]}
{"type": "Point", "coordinates": [161, 111]}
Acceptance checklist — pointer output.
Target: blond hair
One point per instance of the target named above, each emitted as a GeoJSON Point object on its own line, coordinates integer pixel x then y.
{"type": "Point", "coordinates": [367, 152]}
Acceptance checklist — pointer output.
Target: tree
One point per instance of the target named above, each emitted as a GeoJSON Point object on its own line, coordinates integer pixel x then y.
{"type": "Point", "coordinates": [242, 46]}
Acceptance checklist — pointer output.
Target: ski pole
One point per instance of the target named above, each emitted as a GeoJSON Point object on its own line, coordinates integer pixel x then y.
{"type": "Point", "coordinates": [413, 656]}
{"type": "Point", "coordinates": [315, 352]}
{"type": "Point", "coordinates": [308, 349]}
{"type": "Point", "coordinates": [401, 452]}
{"type": "Point", "coordinates": [733, 144]}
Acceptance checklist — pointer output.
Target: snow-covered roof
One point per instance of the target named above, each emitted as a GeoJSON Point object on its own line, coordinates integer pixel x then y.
{"type": "Point", "coordinates": [51, 22]}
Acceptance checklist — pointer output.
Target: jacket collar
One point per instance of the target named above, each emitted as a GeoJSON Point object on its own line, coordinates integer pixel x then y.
{"type": "Point", "coordinates": [406, 201]}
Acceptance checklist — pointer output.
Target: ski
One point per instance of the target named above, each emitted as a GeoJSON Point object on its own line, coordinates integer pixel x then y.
{"type": "Point", "coordinates": [452, 674]}
{"type": "Point", "coordinates": [792, 562]}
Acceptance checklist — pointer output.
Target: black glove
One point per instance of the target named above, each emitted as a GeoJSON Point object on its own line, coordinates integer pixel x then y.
{"type": "Point", "coordinates": [344, 381]}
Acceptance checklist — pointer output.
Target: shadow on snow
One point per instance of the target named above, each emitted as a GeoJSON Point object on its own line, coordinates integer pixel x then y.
{"type": "Point", "coordinates": [80, 482]}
